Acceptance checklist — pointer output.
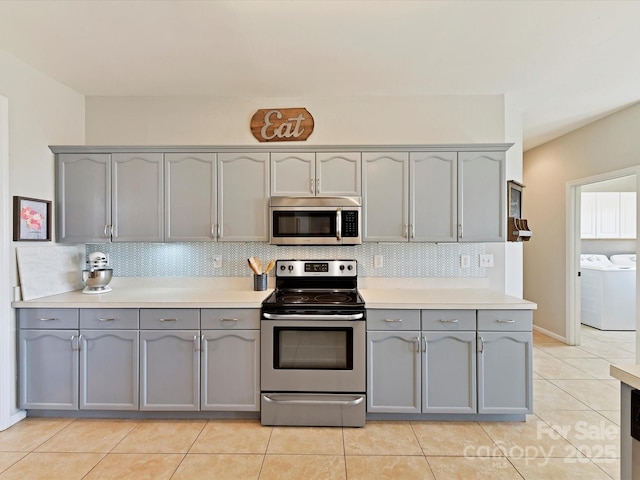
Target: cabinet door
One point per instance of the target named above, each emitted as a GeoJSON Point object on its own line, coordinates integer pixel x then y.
{"type": "Point", "coordinates": [48, 366]}
{"type": "Point", "coordinates": [627, 214]}
{"type": "Point", "coordinates": [170, 370]}
{"type": "Point", "coordinates": [433, 196]}
{"type": "Point", "coordinates": [449, 383]}
{"type": "Point", "coordinates": [588, 215]}
{"type": "Point", "coordinates": [338, 174]}
{"type": "Point", "coordinates": [109, 369]}
{"type": "Point", "coordinates": [607, 214]}
{"type": "Point", "coordinates": [393, 372]}
{"type": "Point", "coordinates": [293, 174]}
{"type": "Point", "coordinates": [231, 370]}
{"type": "Point", "coordinates": [243, 197]}
{"type": "Point", "coordinates": [137, 197]}
{"type": "Point", "coordinates": [505, 373]}
{"type": "Point", "coordinates": [385, 191]}
{"type": "Point", "coordinates": [190, 197]}
{"type": "Point", "coordinates": [83, 197]}
{"type": "Point", "coordinates": [481, 197]}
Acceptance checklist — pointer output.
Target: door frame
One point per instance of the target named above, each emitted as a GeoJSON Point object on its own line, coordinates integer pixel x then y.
{"type": "Point", "coordinates": [573, 247]}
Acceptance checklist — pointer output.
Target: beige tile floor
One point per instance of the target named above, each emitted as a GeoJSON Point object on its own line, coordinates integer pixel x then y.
{"type": "Point", "coordinates": [573, 433]}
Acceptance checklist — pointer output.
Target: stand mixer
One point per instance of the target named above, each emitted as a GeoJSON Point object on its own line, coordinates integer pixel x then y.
{"type": "Point", "coordinates": [97, 275]}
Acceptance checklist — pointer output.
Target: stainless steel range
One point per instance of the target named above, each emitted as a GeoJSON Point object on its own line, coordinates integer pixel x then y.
{"type": "Point", "coordinates": [313, 362]}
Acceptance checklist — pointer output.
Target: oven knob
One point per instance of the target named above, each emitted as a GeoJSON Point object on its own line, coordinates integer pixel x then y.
{"type": "Point", "coordinates": [341, 267]}
{"type": "Point", "coordinates": [290, 267]}
{"type": "Point", "coordinates": [282, 267]}
{"type": "Point", "coordinates": [350, 267]}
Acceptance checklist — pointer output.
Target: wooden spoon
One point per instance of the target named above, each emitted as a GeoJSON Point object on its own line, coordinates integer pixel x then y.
{"type": "Point", "coordinates": [270, 265]}
{"type": "Point", "coordinates": [258, 264]}
{"type": "Point", "coordinates": [253, 266]}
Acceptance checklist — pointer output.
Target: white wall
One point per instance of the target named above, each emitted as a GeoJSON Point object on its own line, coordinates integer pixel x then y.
{"type": "Point", "coordinates": [346, 121]}
{"type": "Point", "coordinates": [42, 112]}
{"type": "Point", "coordinates": [607, 145]}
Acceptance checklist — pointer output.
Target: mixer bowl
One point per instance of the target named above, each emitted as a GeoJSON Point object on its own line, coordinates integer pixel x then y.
{"type": "Point", "coordinates": [97, 279]}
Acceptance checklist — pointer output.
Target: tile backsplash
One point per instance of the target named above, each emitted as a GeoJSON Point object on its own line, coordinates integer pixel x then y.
{"type": "Point", "coordinates": [196, 259]}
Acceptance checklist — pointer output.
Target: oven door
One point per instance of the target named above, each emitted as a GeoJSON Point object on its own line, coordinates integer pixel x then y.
{"type": "Point", "coordinates": [315, 226]}
{"type": "Point", "coordinates": [313, 356]}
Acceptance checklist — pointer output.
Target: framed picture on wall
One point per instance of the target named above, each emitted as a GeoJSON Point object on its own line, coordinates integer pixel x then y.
{"type": "Point", "coordinates": [31, 220]}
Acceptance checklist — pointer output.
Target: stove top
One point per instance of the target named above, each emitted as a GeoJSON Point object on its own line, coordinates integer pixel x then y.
{"type": "Point", "coordinates": [321, 284]}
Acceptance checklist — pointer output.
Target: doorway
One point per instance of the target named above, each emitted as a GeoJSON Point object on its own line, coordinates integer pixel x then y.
{"type": "Point", "coordinates": [625, 180]}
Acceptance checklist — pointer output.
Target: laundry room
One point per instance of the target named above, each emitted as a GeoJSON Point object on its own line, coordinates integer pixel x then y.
{"type": "Point", "coordinates": [608, 254]}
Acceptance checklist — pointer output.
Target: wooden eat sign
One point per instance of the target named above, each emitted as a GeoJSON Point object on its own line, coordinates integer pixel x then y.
{"type": "Point", "coordinates": [281, 124]}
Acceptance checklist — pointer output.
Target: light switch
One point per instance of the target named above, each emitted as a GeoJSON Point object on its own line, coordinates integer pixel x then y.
{"type": "Point", "coordinates": [217, 261]}
{"type": "Point", "coordinates": [465, 261]}
{"type": "Point", "coordinates": [377, 261]}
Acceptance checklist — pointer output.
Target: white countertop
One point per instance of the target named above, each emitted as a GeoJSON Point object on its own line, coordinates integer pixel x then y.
{"type": "Point", "coordinates": [443, 298]}
{"type": "Point", "coordinates": [237, 292]}
{"type": "Point", "coordinates": [629, 374]}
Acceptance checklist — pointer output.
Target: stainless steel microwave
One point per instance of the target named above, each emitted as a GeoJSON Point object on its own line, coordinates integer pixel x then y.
{"type": "Point", "coordinates": [315, 220]}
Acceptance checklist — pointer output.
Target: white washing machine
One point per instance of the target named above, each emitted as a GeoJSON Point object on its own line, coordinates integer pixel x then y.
{"type": "Point", "coordinates": [608, 293]}
{"type": "Point", "coordinates": [625, 259]}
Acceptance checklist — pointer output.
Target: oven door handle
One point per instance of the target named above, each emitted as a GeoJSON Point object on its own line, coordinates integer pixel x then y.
{"type": "Point", "coordinates": [296, 316]}
{"type": "Point", "coordinates": [339, 224]}
{"type": "Point", "coordinates": [354, 401]}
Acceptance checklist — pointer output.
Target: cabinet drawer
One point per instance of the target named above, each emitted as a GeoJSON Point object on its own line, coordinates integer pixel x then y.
{"type": "Point", "coordinates": [48, 318]}
{"type": "Point", "coordinates": [169, 318]}
{"type": "Point", "coordinates": [230, 318]}
{"type": "Point", "coordinates": [505, 320]}
{"type": "Point", "coordinates": [393, 319]}
{"type": "Point", "coordinates": [109, 318]}
{"type": "Point", "coordinates": [448, 320]}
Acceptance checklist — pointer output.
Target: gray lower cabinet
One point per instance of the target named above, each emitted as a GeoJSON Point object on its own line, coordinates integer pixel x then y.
{"type": "Point", "coordinates": [92, 366]}
{"type": "Point", "coordinates": [230, 359]}
{"type": "Point", "coordinates": [421, 371]}
{"type": "Point", "coordinates": [505, 369]}
{"type": "Point", "coordinates": [170, 359]}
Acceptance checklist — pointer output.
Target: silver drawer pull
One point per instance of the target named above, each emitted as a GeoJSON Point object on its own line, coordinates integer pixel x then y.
{"type": "Point", "coordinates": [168, 319]}
{"type": "Point", "coordinates": [229, 319]}
{"type": "Point", "coordinates": [47, 319]}
{"type": "Point", "coordinates": [393, 320]}
{"type": "Point", "coordinates": [107, 319]}
{"type": "Point", "coordinates": [275, 399]}
{"type": "Point", "coordinates": [450, 320]}
{"type": "Point", "coordinates": [505, 321]}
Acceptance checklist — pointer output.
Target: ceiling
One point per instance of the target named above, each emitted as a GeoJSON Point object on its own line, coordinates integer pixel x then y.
{"type": "Point", "coordinates": [563, 64]}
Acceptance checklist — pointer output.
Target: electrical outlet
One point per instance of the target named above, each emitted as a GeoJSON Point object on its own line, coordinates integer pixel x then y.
{"type": "Point", "coordinates": [486, 260]}
{"type": "Point", "coordinates": [217, 261]}
{"type": "Point", "coordinates": [377, 261]}
{"type": "Point", "coordinates": [465, 261]}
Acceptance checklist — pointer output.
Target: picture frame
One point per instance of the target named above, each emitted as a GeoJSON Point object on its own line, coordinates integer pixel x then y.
{"type": "Point", "coordinates": [31, 219]}
{"type": "Point", "coordinates": [514, 198]}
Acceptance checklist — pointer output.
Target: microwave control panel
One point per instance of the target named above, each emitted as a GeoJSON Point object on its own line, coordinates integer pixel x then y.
{"type": "Point", "coordinates": [350, 223]}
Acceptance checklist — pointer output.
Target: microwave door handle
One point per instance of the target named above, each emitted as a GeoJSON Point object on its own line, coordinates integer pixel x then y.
{"type": "Point", "coordinates": [339, 224]}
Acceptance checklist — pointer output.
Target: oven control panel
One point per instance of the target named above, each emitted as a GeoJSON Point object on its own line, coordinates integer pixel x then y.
{"type": "Point", "coordinates": [316, 268]}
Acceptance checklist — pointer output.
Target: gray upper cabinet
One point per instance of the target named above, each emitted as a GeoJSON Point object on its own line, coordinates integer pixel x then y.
{"type": "Point", "coordinates": [481, 197]}
{"type": "Point", "coordinates": [243, 197]}
{"type": "Point", "coordinates": [309, 174]}
{"type": "Point", "coordinates": [385, 192]}
{"type": "Point", "coordinates": [138, 197]}
{"type": "Point", "coordinates": [433, 196]}
{"type": "Point", "coordinates": [190, 197]}
{"type": "Point", "coordinates": [102, 197]}
{"type": "Point", "coordinates": [83, 197]}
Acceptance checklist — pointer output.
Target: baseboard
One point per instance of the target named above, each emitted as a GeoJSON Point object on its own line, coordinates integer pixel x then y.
{"type": "Point", "coordinates": [555, 336]}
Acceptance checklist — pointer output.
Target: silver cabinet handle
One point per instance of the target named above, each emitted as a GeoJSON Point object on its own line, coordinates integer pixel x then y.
{"type": "Point", "coordinates": [218, 231]}
{"type": "Point", "coordinates": [47, 319]}
{"type": "Point", "coordinates": [228, 319]}
{"type": "Point", "coordinates": [196, 343]}
{"type": "Point", "coordinates": [78, 339]}
{"type": "Point", "coordinates": [168, 319]}
{"type": "Point", "coordinates": [449, 320]}
{"type": "Point", "coordinates": [480, 344]}
{"type": "Point", "coordinates": [107, 319]}
{"type": "Point", "coordinates": [213, 230]}
{"type": "Point", "coordinates": [418, 345]}
{"type": "Point", "coordinates": [460, 230]}
{"type": "Point", "coordinates": [318, 185]}
{"type": "Point", "coordinates": [79, 342]}
{"type": "Point", "coordinates": [500, 320]}
{"type": "Point", "coordinates": [114, 231]}
{"type": "Point", "coordinates": [413, 231]}
{"type": "Point", "coordinates": [405, 229]}
{"type": "Point", "coordinates": [393, 320]}
{"type": "Point", "coordinates": [106, 235]}
{"type": "Point", "coordinates": [73, 337]}
{"type": "Point", "coordinates": [311, 185]}
{"type": "Point", "coordinates": [424, 344]}
{"type": "Point", "coordinates": [275, 399]}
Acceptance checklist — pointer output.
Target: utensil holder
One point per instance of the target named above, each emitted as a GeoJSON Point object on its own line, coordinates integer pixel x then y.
{"type": "Point", "coordinates": [260, 282]}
